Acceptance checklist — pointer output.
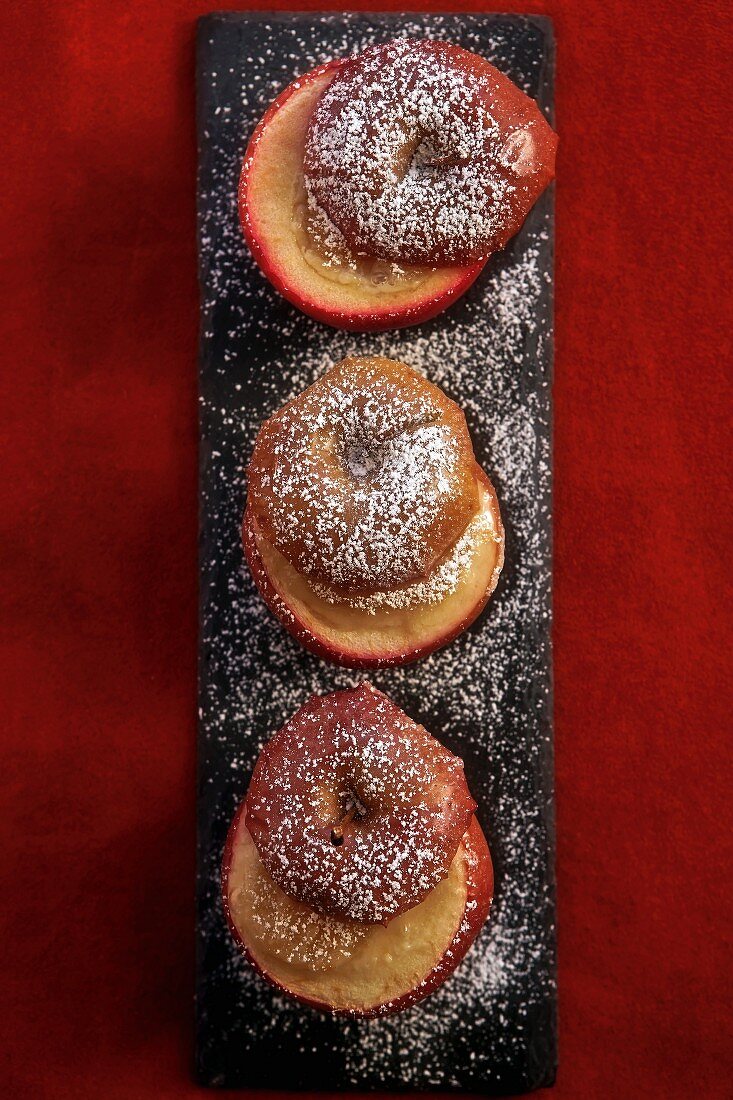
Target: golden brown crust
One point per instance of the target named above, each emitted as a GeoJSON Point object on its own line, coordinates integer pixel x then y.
{"type": "Point", "coordinates": [366, 479]}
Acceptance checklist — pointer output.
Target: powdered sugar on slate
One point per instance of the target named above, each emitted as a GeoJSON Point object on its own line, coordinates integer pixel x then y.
{"type": "Point", "coordinates": [486, 696]}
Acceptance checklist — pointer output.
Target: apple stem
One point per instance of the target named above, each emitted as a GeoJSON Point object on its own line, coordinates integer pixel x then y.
{"type": "Point", "coordinates": [337, 833]}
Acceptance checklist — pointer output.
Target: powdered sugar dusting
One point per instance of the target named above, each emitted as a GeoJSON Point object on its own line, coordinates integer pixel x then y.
{"type": "Point", "coordinates": [407, 159]}
{"type": "Point", "coordinates": [486, 696]}
{"type": "Point", "coordinates": [291, 930]}
{"type": "Point", "coordinates": [355, 752]}
{"type": "Point", "coordinates": [324, 247]}
{"type": "Point", "coordinates": [443, 580]}
{"type": "Point", "coordinates": [365, 479]}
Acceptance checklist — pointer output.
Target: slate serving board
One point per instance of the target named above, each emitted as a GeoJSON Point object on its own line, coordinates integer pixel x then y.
{"type": "Point", "coordinates": [492, 1027]}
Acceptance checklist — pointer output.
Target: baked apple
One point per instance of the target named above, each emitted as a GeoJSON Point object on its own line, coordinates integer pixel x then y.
{"type": "Point", "coordinates": [340, 752]}
{"type": "Point", "coordinates": [346, 968]}
{"type": "Point", "coordinates": [340, 289]}
{"type": "Point", "coordinates": [370, 530]}
{"type": "Point", "coordinates": [374, 188]}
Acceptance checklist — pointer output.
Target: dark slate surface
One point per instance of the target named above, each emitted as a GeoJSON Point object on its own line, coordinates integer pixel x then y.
{"type": "Point", "coordinates": [492, 1027]}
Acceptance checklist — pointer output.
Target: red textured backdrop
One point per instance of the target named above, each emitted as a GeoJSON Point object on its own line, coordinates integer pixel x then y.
{"type": "Point", "coordinates": [99, 326]}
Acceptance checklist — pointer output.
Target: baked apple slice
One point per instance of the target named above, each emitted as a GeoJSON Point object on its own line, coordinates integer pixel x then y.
{"type": "Point", "coordinates": [356, 809]}
{"type": "Point", "coordinates": [365, 637]}
{"type": "Point", "coordinates": [359, 293]}
{"type": "Point", "coordinates": [345, 967]}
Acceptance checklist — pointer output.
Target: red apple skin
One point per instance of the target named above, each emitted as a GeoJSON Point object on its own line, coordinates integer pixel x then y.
{"type": "Point", "coordinates": [368, 320]}
{"type": "Point", "coordinates": [479, 895]}
{"type": "Point", "coordinates": [321, 646]}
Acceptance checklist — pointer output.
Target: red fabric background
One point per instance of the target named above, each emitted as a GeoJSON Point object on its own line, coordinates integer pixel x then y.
{"type": "Point", "coordinates": [99, 330]}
